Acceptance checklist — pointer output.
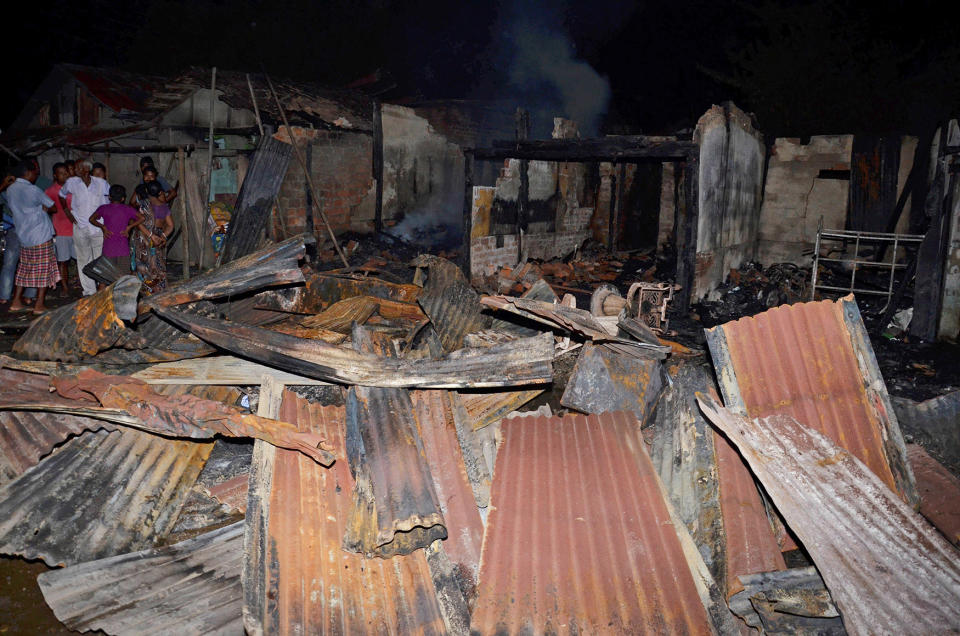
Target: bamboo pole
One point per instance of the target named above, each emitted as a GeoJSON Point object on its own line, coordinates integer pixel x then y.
{"type": "Point", "coordinates": [303, 166]}
{"type": "Point", "coordinates": [181, 172]}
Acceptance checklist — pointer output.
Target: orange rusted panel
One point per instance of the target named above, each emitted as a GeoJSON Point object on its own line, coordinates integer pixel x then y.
{"type": "Point", "coordinates": [579, 538]}
{"type": "Point", "coordinates": [441, 447]}
{"type": "Point", "coordinates": [939, 493]}
{"type": "Point", "coordinates": [799, 360]}
{"type": "Point", "coordinates": [300, 580]}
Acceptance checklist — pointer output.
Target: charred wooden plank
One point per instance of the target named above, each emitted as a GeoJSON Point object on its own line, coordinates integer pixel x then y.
{"type": "Point", "coordinates": [523, 361]}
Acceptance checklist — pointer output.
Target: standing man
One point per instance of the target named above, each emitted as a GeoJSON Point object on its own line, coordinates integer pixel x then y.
{"type": "Point", "coordinates": [38, 260]}
{"type": "Point", "coordinates": [86, 192]}
{"type": "Point", "coordinates": [62, 224]}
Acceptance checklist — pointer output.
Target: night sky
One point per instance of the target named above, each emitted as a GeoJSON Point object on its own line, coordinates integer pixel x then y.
{"type": "Point", "coordinates": [634, 67]}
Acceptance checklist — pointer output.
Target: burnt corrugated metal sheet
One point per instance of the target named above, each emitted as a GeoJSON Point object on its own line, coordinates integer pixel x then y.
{"type": "Point", "coordinates": [25, 438]}
{"type": "Point", "coordinates": [684, 456]}
{"type": "Point", "coordinates": [449, 301]}
{"type": "Point", "coordinates": [342, 314]}
{"type": "Point", "coordinates": [524, 361]}
{"type": "Point", "coordinates": [84, 328]}
{"type": "Point", "coordinates": [486, 408]}
{"type": "Point", "coordinates": [605, 381]}
{"type": "Point", "coordinates": [100, 494]}
{"type": "Point", "coordinates": [886, 568]}
{"type": "Point", "coordinates": [267, 170]}
{"type": "Point", "coordinates": [939, 492]}
{"type": "Point", "coordinates": [813, 361]}
{"type": "Point", "coordinates": [192, 587]}
{"type": "Point", "coordinates": [461, 518]}
{"type": "Point", "coordinates": [933, 425]}
{"type": "Point", "coordinates": [396, 509]}
{"type": "Point", "coordinates": [299, 579]}
{"type": "Point", "coordinates": [579, 538]}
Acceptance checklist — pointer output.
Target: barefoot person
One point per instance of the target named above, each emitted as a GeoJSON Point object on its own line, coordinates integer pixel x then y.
{"type": "Point", "coordinates": [116, 219]}
{"type": "Point", "coordinates": [31, 209]}
{"type": "Point", "coordinates": [62, 224]}
{"type": "Point", "coordinates": [86, 192]}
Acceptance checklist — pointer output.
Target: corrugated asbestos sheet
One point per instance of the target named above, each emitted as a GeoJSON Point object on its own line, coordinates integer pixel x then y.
{"type": "Point", "coordinates": [684, 456]}
{"type": "Point", "coordinates": [604, 381]}
{"type": "Point", "coordinates": [191, 587]}
{"type": "Point", "coordinates": [887, 570]}
{"type": "Point", "coordinates": [933, 425]}
{"type": "Point", "coordinates": [579, 538]}
{"type": "Point", "coordinates": [100, 494]}
{"type": "Point", "coordinates": [461, 518]}
{"type": "Point", "coordinates": [814, 361]}
{"type": "Point", "coordinates": [486, 408]}
{"type": "Point", "coordinates": [939, 492]}
{"type": "Point", "coordinates": [449, 301]}
{"type": "Point", "coordinates": [300, 580]}
{"type": "Point", "coordinates": [268, 168]}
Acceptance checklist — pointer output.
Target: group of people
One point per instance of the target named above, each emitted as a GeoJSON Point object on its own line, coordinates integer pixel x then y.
{"type": "Point", "coordinates": [79, 215]}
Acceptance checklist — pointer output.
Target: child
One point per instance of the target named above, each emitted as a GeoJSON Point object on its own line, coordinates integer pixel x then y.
{"type": "Point", "coordinates": [116, 219]}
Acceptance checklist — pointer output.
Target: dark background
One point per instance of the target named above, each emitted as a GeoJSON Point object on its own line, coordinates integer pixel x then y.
{"type": "Point", "coordinates": [802, 67]}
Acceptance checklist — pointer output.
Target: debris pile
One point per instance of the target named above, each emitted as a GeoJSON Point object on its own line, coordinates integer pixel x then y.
{"type": "Point", "coordinates": [413, 458]}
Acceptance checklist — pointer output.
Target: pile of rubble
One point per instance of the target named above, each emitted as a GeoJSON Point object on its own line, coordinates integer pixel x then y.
{"type": "Point", "coordinates": [411, 473]}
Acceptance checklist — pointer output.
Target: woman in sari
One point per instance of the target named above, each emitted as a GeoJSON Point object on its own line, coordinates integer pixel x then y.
{"type": "Point", "coordinates": [149, 246]}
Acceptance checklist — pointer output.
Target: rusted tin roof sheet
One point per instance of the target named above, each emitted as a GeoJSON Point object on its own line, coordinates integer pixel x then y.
{"type": "Point", "coordinates": [606, 381]}
{"type": "Point", "coordinates": [192, 587]}
{"type": "Point", "coordinates": [794, 601]}
{"type": "Point", "coordinates": [396, 508]}
{"type": "Point", "coordinates": [486, 408]}
{"type": "Point", "coordinates": [343, 313]}
{"type": "Point", "coordinates": [579, 538]}
{"type": "Point", "coordinates": [100, 494]}
{"type": "Point", "coordinates": [939, 492]}
{"type": "Point", "coordinates": [449, 301]}
{"type": "Point", "coordinates": [298, 578]}
{"type": "Point", "coordinates": [933, 425]}
{"type": "Point", "coordinates": [886, 568]}
{"type": "Point", "coordinates": [84, 328]}
{"type": "Point", "coordinates": [751, 545]}
{"type": "Point", "coordinates": [814, 361]}
{"type": "Point", "coordinates": [525, 361]}
{"type": "Point", "coordinates": [461, 518]}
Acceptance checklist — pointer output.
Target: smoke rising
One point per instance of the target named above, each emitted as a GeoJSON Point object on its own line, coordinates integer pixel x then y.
{"type": "Point", "coordinates": [545, 74]}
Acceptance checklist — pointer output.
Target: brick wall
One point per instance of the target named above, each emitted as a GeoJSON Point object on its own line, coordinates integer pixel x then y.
{"type": "Point", "coordinates": [341, 169]}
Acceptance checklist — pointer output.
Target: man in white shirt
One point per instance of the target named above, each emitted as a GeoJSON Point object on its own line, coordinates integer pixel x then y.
{"type": "Point", "coordinates": [87, 196]}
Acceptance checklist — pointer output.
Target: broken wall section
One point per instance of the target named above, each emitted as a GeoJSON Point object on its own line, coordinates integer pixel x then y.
{"type": "Point", "coordinates": [423, 176]}
{"type": "Point", "coordinates": [732, 156]}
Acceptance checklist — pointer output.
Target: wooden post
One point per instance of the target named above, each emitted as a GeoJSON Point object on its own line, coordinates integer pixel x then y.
{"type": "Point", "coordinates": [181, 171]}
{"type": "Point", "coordinates": [687, 234]}
{"type": "Point", "coordinates": [206, 203]}
{"type": "Point", "coordinates": [467, 209]}
{"type": "Point", "coordinates": [522, 131]}
{"type": "Point", "coordinates": [378, 164]}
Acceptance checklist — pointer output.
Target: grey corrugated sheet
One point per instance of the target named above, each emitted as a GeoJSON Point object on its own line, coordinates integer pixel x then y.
{"type": "Point", "coordinates": [933, 425]}
{"type": "Point", "coordinates": [191, 587]}
{"type": "Point", "coordinates": [99, 495]}
{"type": "Point", "coordinates": [888, 570]}
{"type": "Point", "coordinates": [27, 437]}
{"type": "Point", "coordinates": [268, 167]}
{"type": "Point", "coordinates": [450, 302]}
{"type": "Point", "coordinates": [685, 458]}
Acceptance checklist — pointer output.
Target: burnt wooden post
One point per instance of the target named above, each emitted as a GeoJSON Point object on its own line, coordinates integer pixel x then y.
{"type": "Point", "coordinates": [523, 198]}
{"type": "Point", "coordinates": [467, 208]}
{"type": "Point", "coordinates": [932, 254]}
{"type": "Point", "coordinates": [307, 191]}
{"type": "Point", "coordinates": [686, 225]}
{"type": "Point", "coordinates": [378, 164]}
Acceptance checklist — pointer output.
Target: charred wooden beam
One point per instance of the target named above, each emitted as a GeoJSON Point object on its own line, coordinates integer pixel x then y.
{"type": "Point", "coordinates": [524, 361]}
{"type": "Point", "coordinates": [625, 149]}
